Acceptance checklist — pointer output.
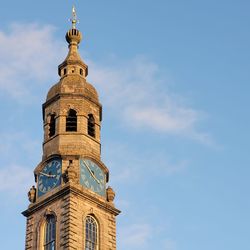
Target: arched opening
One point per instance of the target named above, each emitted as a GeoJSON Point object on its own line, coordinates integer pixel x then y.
{"type": "Point", "coordinates": [50, 233]}
{"type": "Point", "coordinates": [52, 125]}
{"type": "Point", "coordinates": [91, 125]}
{"type": "Point", "coordinates": [91, 233]}
{"type": "Point", "coordinates": [71, 121]}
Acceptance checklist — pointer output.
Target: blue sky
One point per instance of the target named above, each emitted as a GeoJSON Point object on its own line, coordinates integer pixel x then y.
{"type": "Point", "coordinates": [173, 78]}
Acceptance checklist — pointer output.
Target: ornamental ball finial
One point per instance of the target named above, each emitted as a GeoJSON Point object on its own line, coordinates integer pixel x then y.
{"type": "Point", "coordinates": [74, 36]}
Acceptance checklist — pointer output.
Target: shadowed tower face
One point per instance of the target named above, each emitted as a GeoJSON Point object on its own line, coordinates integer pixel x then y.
{"type": "Point", "coordinates": [71, 206]}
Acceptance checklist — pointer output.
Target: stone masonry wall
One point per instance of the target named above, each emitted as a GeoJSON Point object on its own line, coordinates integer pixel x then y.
{"type": "Point", "coordinates": [70, 212]}
{"type": "Point", "coordinates": [72, 143]}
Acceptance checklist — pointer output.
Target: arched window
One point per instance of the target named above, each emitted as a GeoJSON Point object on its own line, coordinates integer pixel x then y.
{"type": "Point", "coordinates": [91, 233]}
{"type": "Point", "coordinates": [50, 233]}
{"type": "Point", "coordinates": [91, 125]}
{"type": "Point", "coordinates": [71, 121]}
{"type": "Point", "coordinates": [52, 125]}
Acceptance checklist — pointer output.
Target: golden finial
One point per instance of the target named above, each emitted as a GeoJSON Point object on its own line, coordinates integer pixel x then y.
{"type": "Point", "coordinates": [74, 18]}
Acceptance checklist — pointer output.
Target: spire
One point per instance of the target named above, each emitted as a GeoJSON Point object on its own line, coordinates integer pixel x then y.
{"type": "Point", "coordinates": [74, 19]}
{"type": "Point", "coordinates": [73, 63]}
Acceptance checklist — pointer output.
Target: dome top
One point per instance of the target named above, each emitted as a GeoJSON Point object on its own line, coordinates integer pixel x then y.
{"type": "Point", "coordinates": [73, 84]}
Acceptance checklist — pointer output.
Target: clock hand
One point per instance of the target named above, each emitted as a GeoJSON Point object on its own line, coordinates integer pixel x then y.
{"type": "Point", "coordinates": [91, 172]}
{"type": "Point", "coordinates": [48, 175]}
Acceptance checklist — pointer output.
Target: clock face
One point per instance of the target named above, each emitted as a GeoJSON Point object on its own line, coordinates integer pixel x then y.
{"type": "Point", "coordinates": [50, 176]}
{"type": "Point", "coordinates": [92, 176]}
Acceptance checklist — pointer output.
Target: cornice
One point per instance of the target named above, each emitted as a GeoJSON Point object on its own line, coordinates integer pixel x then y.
{"type": "Point", "coordinates": [70, 188]}
{"type": "Point", "coordinates": [58, 96]}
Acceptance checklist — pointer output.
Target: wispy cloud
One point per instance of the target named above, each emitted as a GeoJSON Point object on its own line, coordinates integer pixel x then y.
{"type": "Point", "coordinates": [11, 147]}
{"type": "Point", "coordinates": [140, 236]}
{"type": "Point", "coordinates": [169, 244]}
{"type": "Point", "coordinates": [138, 92]}
{"type": "Point", "coordinates": [171, 168]}
{"type": "Point", "coordinates": [135, 90]}
{"type": "Point", "coordinates": [132, 169]}
{"type": "Point", "coordinates": [135, 236]}
{"type": "Point", "coordinates": [14, 179]}
{"type": "Point", "coordinates": [29, 56]}
{"type": "Point", "coordinates": [135, 168]}
{"type": "Point", "coordinates": [19, 155]}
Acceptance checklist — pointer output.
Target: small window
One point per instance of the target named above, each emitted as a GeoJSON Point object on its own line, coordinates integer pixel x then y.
{"type": "Point", "coordinates": [65, 71]}
{"type": "Point", "coordinates": [91, 233]}
{"type": "Point", "coordinates": [91, 125]}
{"type": "Point", "coordinates": [50, 233]}
{"type": "Point", "coordinates": [81, 72]}
{"type": "Point", "coordinates": [52, 125]}
{"type": "Point", "coordinates": [71, 121]}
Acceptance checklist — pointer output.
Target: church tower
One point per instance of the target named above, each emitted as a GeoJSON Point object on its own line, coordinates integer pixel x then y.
{"type": "Point", "coordinates": [71, 206]}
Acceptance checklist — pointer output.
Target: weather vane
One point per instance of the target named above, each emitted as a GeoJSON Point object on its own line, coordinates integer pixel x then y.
{"type": "Point", "coordinates": [74, 19]}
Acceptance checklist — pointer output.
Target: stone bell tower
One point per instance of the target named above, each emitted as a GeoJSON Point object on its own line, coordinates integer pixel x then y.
{"type": "Point", "coordinates": [71, 206]}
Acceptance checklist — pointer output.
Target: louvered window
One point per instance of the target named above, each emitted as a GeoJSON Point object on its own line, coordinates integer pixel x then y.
{"type": "Point", "coordinates": [71, 121]}
{"type": "Point", "coordinates": [52, 125]}
{"type": "Point", "coordinates": [91, 125]}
